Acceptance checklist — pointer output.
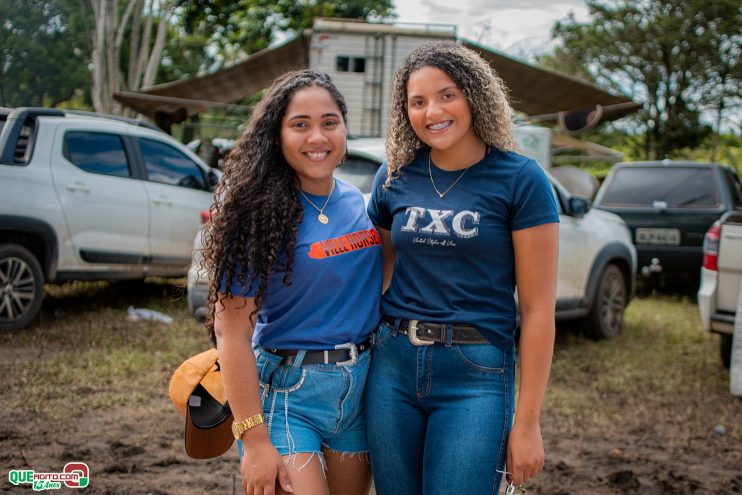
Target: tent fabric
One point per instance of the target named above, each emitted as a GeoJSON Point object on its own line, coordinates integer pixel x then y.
{"type": "Point", "coordinates": [536, 91]}
{"type": "Point", "coordinates": [533, 90]}
{"type": "Point", "coordinates": [183, 99]}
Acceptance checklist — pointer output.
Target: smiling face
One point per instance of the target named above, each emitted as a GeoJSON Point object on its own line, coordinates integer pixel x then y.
{"type": "Point", "coordinates": [313, 138]}
{"type": "Point", "coordinates": [438, 110]}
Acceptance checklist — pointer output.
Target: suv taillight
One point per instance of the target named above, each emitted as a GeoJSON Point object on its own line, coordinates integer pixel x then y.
{"type": "Point", "coordinates": [205, 215]}
{"type": "Point", "coordinates": [711, 247]}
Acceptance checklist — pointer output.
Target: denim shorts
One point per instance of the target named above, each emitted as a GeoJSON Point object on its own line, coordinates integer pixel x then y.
{"type": "Point", "coordinates": [312, 406]}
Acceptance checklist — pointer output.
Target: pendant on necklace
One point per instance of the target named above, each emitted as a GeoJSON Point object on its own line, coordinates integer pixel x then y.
{"type": "Point", "coordinates": [322, 218]}
{"type": "Point", "coordinates": [441, 194]}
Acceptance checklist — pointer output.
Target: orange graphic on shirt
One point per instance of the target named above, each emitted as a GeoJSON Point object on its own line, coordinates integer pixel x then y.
{"type": "Point", "coordinates": [344, 244]}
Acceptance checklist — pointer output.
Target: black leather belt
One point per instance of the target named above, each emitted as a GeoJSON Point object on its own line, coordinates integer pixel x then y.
{"type": "Point", "coordinates": [343, 354]}
{"type": "Point", "coordinates": [426, 333]}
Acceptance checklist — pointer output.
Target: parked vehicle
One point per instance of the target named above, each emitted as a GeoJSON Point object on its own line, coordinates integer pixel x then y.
{"type": "Point", "coordinates": [669, 206]}
{"type": "Point", "coordinates": [721, 277]}
{"type": "Point", "coordinates": [90, 196]}
{"type": "Point", "coordinates": [597, 261]}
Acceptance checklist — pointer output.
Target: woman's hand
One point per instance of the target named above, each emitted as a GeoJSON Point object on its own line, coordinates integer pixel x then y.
{"type": "Point", "coordinates": [261, 466]}
{"type": "Point", "coordinates": [525, 456]}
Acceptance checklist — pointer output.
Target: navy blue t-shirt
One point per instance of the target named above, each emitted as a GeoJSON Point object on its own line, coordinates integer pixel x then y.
{"type": "Point", "coordinates": [455, 260]}
{"type": "Point", "coordinates": [336, 279]}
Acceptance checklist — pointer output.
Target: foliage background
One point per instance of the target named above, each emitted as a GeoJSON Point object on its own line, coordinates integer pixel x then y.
{"type": "Point", "coordinates": [680, 60]}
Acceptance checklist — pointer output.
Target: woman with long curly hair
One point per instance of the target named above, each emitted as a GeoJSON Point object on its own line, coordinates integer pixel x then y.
{"type": "Point", "coordinates": [462, 217]}
{"type": "Point", "coordinates": [294, 281]}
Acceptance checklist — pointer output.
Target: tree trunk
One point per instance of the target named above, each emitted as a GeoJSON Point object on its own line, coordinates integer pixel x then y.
{"type": "Point", "coordinates": [99, 88]}
{"type": "Point", "coordinates": [136, 31]}
{"type": "Point", "coordinates": [719, 113]}
{"type": "Point", "coordinates": [112, 61]}
{"type": "Point", "coordinates": [120, 32]}
{"type": "Point", "coordinates": [156, 54]}
{"type": "Point", "coordinates": [647, 143]}
{"type": "Point", "coordinates": [108, 38]}
{"type": "Point", "coordinates": [717, 129]}
{"type": "Point", "coordinates": [143, 47]}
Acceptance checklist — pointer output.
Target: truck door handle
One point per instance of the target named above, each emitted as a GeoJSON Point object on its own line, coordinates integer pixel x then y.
{"type": "Point", "coordinates": [78, 186]}
{"type": "Point", "coordinates": [162, 200]}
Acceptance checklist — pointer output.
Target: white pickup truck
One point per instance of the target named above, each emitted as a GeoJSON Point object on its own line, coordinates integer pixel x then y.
{"type": "Point", "coordinates": [721, 277]}
{"type": "Point", "coordinates": [91, 197]}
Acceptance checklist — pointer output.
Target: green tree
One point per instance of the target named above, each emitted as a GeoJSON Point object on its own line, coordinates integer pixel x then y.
{"type": "Point", "coordinates": [134, 40]}
{"type": "Point", "coordinates": [43, 52]}
{"type": "Point", "coordinates": [678, 58]}
{"type": "Point", "coordinates": [563, 61]}
{"type": "Point", "coordinates": [722, 93]}
{"type": "Point", "coordinates": [239, 28]}
{"type": "Point", "coordinates": [54, 50]}
{"type": "Point", "coordinates": [185, 55]}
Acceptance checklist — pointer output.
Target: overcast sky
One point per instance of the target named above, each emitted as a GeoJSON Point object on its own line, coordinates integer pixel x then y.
{"type": "Point", "coordinates": [512, 25]}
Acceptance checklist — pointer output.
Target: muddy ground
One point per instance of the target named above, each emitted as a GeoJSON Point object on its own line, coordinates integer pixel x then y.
{"type": "Point", "coordinates": [648, 412]}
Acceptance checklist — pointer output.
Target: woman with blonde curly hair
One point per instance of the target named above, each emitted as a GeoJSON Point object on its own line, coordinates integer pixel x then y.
{"type": "Point", "coordinates": [294, 284]}
{"type": "Point", "coordinates": [462, 217]}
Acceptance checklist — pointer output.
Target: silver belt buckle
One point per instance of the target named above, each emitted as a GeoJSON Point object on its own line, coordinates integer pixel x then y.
{"type": "Point", "coordinates": [412, 335]}
{"type": "Point", "coordinates": [352, 349]}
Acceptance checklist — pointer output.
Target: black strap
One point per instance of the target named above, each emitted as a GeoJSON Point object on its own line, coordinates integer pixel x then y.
{"type": "Point", "coordinates": [318, 357]}
{"type": "Point", "coordinates": [436, 332]}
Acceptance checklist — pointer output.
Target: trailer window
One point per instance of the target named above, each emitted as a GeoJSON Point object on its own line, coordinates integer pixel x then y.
{"type": "Point", "coordinates": [346, 63]}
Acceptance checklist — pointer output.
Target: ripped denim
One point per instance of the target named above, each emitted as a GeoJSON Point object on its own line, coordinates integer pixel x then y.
{"type": "Point", "coordinates": [313, 406]}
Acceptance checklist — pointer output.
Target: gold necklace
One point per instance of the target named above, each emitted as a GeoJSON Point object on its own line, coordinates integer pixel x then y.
{"type": "Point", "coordinates": [321, 217]}
{"type": "Point", "coordinates": [430, 173]}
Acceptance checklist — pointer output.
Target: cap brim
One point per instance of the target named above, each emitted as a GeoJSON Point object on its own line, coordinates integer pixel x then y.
{"type": "Point", "coordinates": [208, 431]}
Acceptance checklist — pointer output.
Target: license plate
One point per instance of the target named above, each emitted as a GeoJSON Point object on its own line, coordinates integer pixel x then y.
{"type": "Point", "coordinates": [665, 237]}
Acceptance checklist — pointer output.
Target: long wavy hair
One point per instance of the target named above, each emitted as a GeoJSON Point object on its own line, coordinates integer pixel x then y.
{"type": "Point", "coordinates": [485, 93]}
{"type": "Point", "coordinates": [255, 217]}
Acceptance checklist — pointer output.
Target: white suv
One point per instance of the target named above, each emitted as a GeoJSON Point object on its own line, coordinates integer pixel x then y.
{"type": "Point", "coordinates": [597, 260]}
{"type": "Point", "coordinates": [88, 196]}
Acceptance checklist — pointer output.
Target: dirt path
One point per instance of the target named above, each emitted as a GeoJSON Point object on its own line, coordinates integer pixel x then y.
{"type": "Point", "coordinates": [138, 451]}
{"type": "Point", "coordinates": [76, 389]}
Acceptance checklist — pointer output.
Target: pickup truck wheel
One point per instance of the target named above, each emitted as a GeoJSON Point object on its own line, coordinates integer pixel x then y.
{"type": "Point", "coordinates": [21, 286]}
{"type": "Point", "coordinates": [605, 319]}
{"type": "Point", "coordinates": [725, 348]}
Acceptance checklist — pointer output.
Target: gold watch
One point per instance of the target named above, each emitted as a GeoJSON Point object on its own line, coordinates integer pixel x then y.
{"type": "Point", "coordinates": [240, 427]}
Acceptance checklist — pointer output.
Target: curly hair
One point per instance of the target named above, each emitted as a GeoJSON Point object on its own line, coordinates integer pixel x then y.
{"type": "Point", "coordinates": [485, 94]}
{"type": "Point", "coordinates": [255, 217]}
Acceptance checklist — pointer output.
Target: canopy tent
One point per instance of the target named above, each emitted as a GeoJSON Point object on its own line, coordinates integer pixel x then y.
{"type": "Point", "coordinates": [534, 90]}
{"type": "Point", "coordinates": [545, 93]}
{"type": "Point", "coordinates": [174, 102]}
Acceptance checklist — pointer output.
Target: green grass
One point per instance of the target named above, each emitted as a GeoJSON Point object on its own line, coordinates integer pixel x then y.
{"type": "Point", "coordinates": [85, 354]}
{"type": "Point", "coordinates": [663, 366]}
{"type": "Point", "coordinates": [84, 379]}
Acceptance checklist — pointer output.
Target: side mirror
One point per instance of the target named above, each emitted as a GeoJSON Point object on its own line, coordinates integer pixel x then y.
{"type": "Point", "coordinates": [578, 206]}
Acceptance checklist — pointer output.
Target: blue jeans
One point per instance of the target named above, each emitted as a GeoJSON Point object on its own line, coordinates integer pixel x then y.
{"type": "Point", "coordinates": [308, 407]}
{"type": "Point", "coordinates": [438, 416]}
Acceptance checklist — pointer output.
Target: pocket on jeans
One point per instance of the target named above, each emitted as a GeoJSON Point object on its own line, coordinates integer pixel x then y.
{"type": "Point", "coordinates": [382, 334]}
{"type": "Point", "coordinates": [280, 378]}
{"type": "Point", "coordinates": [482, 357]}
